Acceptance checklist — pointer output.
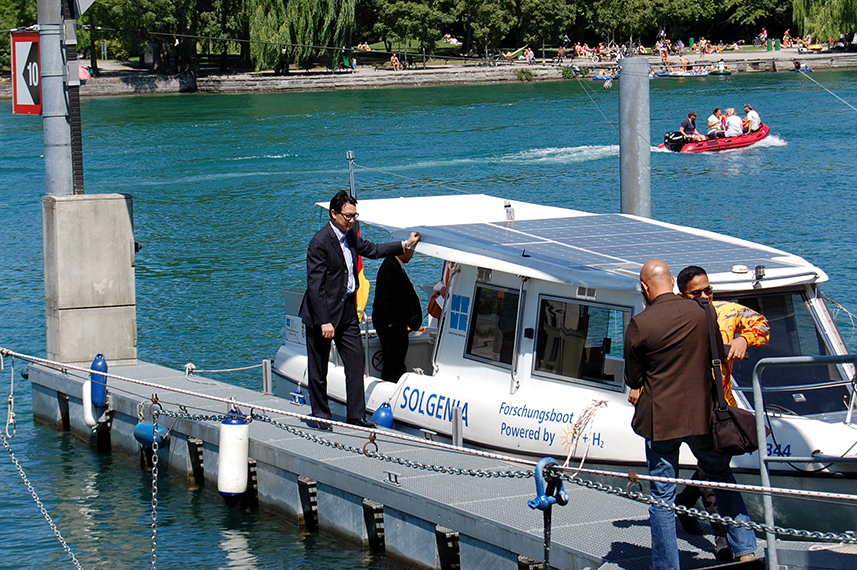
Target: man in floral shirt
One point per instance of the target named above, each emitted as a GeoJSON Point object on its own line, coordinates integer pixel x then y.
{"type": "Point", "coordinates": [740, 326]}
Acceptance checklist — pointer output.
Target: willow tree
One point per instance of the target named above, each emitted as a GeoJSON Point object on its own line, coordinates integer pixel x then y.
{"type": "Point", "coordinates": [269, 32]}
{"type": "Point", "coordinates": [825, 18]}
{"type": "Point", "coordinates": [302, 30]}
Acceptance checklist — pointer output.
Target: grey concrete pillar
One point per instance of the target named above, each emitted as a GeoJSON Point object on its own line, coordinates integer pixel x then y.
{"type": "Point", "coordinates": [635, 176]}
{"type": "Point", "coordinates": [90, 298]}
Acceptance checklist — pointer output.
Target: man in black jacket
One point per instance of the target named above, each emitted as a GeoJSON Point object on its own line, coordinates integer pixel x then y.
{"type": "Point", "coordinates": [329, 310]}
{"type": "Point", "coordinates": [396, 310]}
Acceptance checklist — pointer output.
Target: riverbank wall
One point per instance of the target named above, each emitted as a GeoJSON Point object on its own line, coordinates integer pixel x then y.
{"type": "Point", "coordinates": [123, 79]}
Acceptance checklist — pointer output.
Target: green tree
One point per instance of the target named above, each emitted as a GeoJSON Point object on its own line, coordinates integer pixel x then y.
{"type": "Point", "coordinates": [13, 14]}
{"type": "Point", "coordinates": [490, 21]}
{"type": "Point", "coordinates": [825, 19]}
{"type": "Point", "coordinates": [306, 29]}
{"type": "Point", "coordinates": [546, 22]}
{"type": "Point", "coordinates": [623, 18]}
{"type": "Point", "coordinates": [405, 20]}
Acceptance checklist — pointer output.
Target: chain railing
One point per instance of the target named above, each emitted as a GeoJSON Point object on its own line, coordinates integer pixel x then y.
{"type": "Point", "coordinates": [566, 473]}
{"type": "Point", "coordinates": [39, 504]}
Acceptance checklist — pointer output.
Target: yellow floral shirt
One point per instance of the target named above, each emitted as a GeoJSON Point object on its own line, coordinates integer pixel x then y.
{"type": "Point", "coordinates": [737, 320]}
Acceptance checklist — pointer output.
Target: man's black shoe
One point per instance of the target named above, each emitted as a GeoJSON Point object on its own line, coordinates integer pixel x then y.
{"type": "Point", "coordinates": [362, 422]}
{"type": "Point", "coordinates": [722, 550]}
{"type": "Point", "coordinates": [690, 524]}
{"type": "Point", "coordinates": [321, 425]}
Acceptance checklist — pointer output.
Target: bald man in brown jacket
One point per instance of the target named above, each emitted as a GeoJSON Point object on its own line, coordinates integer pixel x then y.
{"type": "Point", "coordinates": [667, 353]}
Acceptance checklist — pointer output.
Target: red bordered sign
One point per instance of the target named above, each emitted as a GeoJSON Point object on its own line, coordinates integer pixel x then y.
{"type": "Point", "coordinates": [26, 74]}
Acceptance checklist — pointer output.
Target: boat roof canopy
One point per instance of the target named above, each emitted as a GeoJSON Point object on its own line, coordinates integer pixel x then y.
{"type": "Point", "coordinates": [575, 247]}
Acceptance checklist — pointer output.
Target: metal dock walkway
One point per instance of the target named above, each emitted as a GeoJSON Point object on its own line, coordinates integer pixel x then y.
{"type": "Point", "coordinates": [430, 507]}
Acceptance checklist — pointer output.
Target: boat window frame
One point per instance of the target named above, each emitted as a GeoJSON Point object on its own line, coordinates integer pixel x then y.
{"type": "Point", "coordinates": [617, 384]}
{"type": "Point", "coordinates": [471, 322]}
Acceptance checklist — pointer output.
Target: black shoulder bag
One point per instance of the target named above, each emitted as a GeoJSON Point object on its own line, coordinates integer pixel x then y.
{"type": "Point", "coordinates": [732, 429]}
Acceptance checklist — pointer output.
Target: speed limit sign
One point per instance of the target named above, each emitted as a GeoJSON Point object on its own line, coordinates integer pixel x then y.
{"type": "Point", "coordinates": [26, 74]}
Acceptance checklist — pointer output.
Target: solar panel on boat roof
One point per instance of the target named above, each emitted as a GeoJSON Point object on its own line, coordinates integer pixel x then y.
{"type": "Point", "coordinates": [608, 241]}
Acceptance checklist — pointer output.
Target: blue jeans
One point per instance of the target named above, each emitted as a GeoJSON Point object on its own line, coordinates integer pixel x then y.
{"type": "Point", "coordinates": [662, 457]}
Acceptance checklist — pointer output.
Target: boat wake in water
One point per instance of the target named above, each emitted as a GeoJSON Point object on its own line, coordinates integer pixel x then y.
{"type": "Point", "coordinates": [769, 141]}
{"type": "Point", "coordinates": [564, 155]}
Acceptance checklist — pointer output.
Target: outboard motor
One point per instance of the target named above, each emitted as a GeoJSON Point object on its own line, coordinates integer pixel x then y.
{"type": "Point", "coordinates": [674, 141]}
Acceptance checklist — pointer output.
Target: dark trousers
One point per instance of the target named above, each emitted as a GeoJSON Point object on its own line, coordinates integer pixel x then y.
{"type": "Point", "coordinates": [347, 338]}
{"type": "Point", "coordinates": [691, 494]}
{"type": "Point", "coordinates": [394, 346]}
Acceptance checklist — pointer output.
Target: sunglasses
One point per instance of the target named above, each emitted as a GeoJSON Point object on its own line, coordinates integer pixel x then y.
{"type": "Point", "coordinates": [699, 292]}
{"type": "Point", "coordinates": [349, 217]}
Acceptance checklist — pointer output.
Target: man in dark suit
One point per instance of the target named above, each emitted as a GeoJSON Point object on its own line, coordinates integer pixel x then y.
{"type": "Point", "coordinates": [329, 310]}
{"type": "Point", "coordinates": [396, 310]}
{"type": "Point", "coordinates": [667, 354]}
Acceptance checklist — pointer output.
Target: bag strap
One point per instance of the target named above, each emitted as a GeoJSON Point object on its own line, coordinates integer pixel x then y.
{"type": "Point", "coordinates": [718, 352]}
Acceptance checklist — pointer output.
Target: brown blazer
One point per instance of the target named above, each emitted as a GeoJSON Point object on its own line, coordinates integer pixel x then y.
{"type": "Point", "coordinates": [667, 354]}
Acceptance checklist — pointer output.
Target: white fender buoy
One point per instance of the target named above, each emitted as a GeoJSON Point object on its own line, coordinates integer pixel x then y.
{"type": "Point", "coordinates": [233, 455]}
{"type": "Point", "coordinates": [88, 416]}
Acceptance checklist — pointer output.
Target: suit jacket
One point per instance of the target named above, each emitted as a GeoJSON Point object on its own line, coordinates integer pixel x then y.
{"type": "Point", "coordinates": [396, 301]}
{"type": "Point", "coordinates": [327, 274]}
{"type": "Point", "coordinates": [667, 353]}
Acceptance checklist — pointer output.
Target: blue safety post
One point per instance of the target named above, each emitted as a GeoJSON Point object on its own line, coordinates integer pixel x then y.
{"type": "Point", "coordinates": [546, 496]}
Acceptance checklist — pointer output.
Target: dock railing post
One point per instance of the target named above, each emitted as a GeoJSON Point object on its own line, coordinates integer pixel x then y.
{"type": "Point", "coordinates": [759, 407]}
{"type": "Point", "coordinates": [267, 385]}
{"type": "Point", "coordinates": [457, 427]}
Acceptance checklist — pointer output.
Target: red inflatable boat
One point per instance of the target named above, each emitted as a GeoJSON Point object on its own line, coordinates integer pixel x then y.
{"type": "Point", "coordinates": [721, 144]}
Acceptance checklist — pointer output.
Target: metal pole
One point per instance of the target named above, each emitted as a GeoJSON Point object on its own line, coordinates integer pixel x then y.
{"type": "Point", "coordinates": [635, 180]}
{"type": "Point", "coordinates": [759, 407]}
{"type": "Point", "coordinates": [767, 500]}
{"type": "Point", "coordinates": [457, 427]}
{"type": "Point", "coordinates": [73, 89]}
{"type": "Point", "coordinates": [59, 177]}
{"type": "Point", "coordinates": [349, 155]}
{"type": "Point", "coordinates": [267, 386]}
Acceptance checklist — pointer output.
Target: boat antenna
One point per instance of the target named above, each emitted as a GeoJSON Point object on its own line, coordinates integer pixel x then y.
{"type": "Point", "coordinates": [349, 155]}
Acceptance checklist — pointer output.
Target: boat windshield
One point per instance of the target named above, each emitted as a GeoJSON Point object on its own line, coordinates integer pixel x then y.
{"type": "Point", "coordinates": [793, 333]}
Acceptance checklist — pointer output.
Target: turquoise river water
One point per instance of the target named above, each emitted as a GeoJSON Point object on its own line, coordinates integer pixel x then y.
{"type": "Point", "coordinates": [224, 190]}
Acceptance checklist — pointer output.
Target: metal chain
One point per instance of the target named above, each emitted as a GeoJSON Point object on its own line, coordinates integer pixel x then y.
{"type": "Point", "coordinates": [155, 414]}
{"type": "Point", "coordinates": [523, 474]}
{"type": "Point", "coordinates": [848, 537]}
{"type": "Point", "coordinates": [398, 460]}
{"type": "Point", "coordinates": [618, 491]}
{"type": "Point", "coordinates": [39, 504]}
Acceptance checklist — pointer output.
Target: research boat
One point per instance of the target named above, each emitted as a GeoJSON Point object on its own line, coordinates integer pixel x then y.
{"type": "Point", "coordinates": [530, 339]}
{"type": "Point", "coordinates": [674, 143]}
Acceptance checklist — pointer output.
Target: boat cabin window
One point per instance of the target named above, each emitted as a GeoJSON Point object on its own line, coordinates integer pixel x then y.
{"type": "Point", "coordinates": [793, 333]}
{"type": "Point", "coordinates": [577, 341]}
{"type": "Point", "coordinates": [492, 328]}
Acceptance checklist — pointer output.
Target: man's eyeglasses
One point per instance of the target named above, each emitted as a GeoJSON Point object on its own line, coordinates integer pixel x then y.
{"type": "Point", "coordinates": [349, 217]}
{"type": "Point", "coordinates": [699, 292]}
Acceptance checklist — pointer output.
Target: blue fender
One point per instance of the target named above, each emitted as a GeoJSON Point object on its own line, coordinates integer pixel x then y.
{"type": "Point", "coordinates": [555, 493]}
